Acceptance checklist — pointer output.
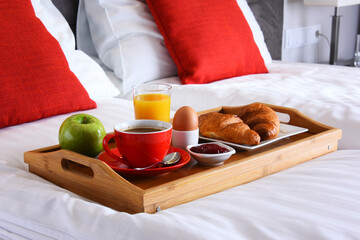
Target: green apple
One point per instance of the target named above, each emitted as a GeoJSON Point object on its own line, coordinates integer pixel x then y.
{"type": "Point", "coordinates": [82, 133]}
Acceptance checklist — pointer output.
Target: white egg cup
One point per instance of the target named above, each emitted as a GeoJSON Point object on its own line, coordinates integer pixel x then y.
{"type": "Point", "coordinates": [180, 139]}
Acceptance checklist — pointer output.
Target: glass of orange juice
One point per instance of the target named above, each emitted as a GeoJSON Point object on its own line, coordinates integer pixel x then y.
{"type": "Point", "coordinates": [152, 101]}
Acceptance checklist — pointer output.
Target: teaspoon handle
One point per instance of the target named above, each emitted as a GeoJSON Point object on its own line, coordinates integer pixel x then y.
{"type": "Point", "coordinates": [147, 166]}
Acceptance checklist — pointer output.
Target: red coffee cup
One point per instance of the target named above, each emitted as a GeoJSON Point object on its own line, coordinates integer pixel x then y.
{"type": "Point", "coordinates": [141, 143]}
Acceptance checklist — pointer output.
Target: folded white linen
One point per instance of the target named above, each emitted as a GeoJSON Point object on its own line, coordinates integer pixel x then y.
{"type": "Point", "coordinates": [319, 199]}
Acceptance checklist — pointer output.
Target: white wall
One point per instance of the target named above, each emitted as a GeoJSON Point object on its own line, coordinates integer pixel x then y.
{"type": "Point", "coordinates": [297, 15]}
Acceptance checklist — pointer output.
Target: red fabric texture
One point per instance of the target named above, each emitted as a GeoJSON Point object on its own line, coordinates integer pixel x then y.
{"type": "Point", "coordinates": [36, 81]}
{"type": "Point", "coordinates": [209, 40]}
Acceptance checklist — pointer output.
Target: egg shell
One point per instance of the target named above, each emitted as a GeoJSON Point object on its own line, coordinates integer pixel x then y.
{"type": "Point", "coordinates": [185, 119]}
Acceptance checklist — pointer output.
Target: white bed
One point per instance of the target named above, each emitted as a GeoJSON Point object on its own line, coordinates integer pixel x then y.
{"type": "Point", "coordinates": [319, 199]}
{"type": "Point", "coordinates": [328, 94]}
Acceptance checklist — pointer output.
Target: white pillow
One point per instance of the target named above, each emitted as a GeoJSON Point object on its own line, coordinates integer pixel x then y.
{"type": "Point", "coordinates": [89, 73]}
{"type": "Point", "coordinates": [54, 22]}
{"type": "Point", "coordinates": [128, 41]}
{"type": "Point", "coordinates": [83, 36]}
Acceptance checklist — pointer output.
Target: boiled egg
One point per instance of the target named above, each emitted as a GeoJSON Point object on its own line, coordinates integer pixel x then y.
{"type": "Point", "coordinates": [185, 119]}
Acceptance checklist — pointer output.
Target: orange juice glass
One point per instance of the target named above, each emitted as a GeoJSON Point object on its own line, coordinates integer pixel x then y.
{"type": "Point", "coordinates": [152, 101]}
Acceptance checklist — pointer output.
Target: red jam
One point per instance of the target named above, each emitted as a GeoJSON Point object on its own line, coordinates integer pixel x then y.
{"type": "Point", "coordinates": [209, 148]}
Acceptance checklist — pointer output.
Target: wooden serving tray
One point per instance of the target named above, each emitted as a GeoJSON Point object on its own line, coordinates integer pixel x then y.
{"type": "Point", "coordinates": [95, 180]}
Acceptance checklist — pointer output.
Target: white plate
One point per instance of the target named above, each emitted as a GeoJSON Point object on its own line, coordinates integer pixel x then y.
{"type": "Point", "coordinates": [286, 130]}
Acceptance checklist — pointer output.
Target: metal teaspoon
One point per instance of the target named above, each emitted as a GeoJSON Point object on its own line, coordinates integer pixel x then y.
{"type": "Point", "coordinates": [169, 159]}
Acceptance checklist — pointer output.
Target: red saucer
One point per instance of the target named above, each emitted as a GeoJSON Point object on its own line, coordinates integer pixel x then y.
{"type": "Point", "coordinates": [126, 170]}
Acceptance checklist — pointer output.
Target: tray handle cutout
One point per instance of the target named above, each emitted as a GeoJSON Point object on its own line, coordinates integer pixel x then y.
{"type": "Point", "coordinates": [54, 163]}
{"type": "Point", "coordinates": [77, 168]}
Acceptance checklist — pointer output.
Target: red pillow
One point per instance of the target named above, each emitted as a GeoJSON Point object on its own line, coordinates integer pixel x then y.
{"type": "Point", "coordinates": [208, 40]}
{"type": "Point", "coordinates": [36, 81]}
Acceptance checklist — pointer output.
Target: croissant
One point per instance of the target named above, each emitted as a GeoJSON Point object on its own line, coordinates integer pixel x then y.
{"type": "Point", "coordinates": [227, 127]}
{"type": "Point", "coordinates": [261, 119]}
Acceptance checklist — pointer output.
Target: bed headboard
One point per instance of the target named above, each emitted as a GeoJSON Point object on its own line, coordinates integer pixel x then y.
{"type": "Point", "coordinates": [269, 15]}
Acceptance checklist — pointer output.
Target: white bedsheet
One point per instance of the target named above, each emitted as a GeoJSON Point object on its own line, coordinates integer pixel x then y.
{"type": "Point", "coordinates": [319, 199]}
{"type": "Point", "coordinates": [328, 94]}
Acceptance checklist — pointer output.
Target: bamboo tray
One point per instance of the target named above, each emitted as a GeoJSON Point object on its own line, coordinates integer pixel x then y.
{"type": "Point", "coordinates": [95, 180]}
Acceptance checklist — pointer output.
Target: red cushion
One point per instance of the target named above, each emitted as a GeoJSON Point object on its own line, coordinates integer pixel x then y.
{"type": "Point", "coordinates": [36, 81]}
{"type": "Point", "coordinates": [208, 40]}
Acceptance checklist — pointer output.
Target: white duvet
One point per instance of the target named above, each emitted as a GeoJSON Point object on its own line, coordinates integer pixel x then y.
{"type": "Point", "coordinates": [328, 94]}
{"type": "Point", "coordinates": [319, 199]}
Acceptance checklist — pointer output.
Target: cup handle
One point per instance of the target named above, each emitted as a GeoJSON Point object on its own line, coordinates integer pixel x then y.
{"type": "Point", "coordinates": [107, 149]}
